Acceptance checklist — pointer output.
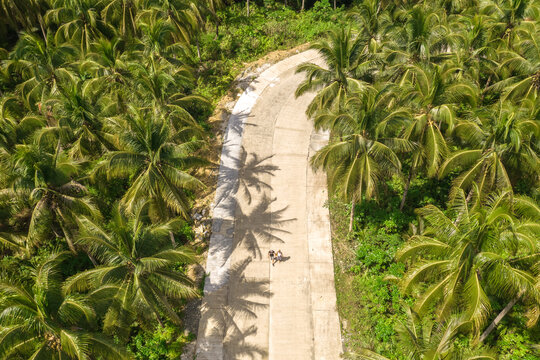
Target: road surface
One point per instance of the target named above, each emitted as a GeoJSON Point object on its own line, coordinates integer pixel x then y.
{"type": "Point", "coordinates": [269, 198]}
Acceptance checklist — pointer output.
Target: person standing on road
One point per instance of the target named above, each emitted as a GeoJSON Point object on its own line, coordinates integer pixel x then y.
{"type": "Point", "coordinates": [279, 256]}
{"type": "Point", "coordinates": [272, 255]}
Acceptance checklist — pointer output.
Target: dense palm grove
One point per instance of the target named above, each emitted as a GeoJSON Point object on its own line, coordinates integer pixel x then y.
{"type": "Point", "coordinates": [449, 91]}
{"type": "Point", "coordinates": [100, 136]}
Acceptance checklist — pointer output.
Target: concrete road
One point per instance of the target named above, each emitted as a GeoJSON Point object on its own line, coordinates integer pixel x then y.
{"type": "Point", "coordinates": [269, 198]}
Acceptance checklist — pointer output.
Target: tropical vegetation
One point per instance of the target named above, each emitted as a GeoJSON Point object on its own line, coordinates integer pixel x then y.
{"type": "Point", "coordinates": [434, 114]}
{"type": "Point", "coordinates": [104, 148]}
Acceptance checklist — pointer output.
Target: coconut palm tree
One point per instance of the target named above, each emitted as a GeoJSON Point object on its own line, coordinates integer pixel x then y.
{"type": "Point", "coordinates": [17, 126]}
{"type": "Point", "coordinates": [372, 18]}
{"type": "Point", "coordinates": [157, 34]}
{"type": "Point", "coordinates": [508, 14]}
{"type": "Point", "coordinates": [38, 322]}
{"type": "Point", "coordinates": [78, 114]}
{"type": "Point", "coordinates": [152, 156]}
{"type": "Point", "coordinates": [341, 53]}
{"type": "Point", "coordinates": [525, 208]}
{"type": "Point", "coordinates": [523, 64]}
{"type": "Point", "coordinates": [432, 92]}
{"type": "Point", "coordinates": [360, 157]}
{"type": "Point", "coordinates": [184, 16]}
{"type": "Point", "coordinates": [121, 14]}
{"type": "Point", "coordinates": [41, 64]}
{"type": "Point", "coordinates": [137, 275]}
{"type": "Point", "coordinates": [47, 179]}
{"type": "Point", "coordinates": [424, 339]}
{"type": "Point", "coordinates": [502, 148]}
{"type": "Point", "coordinates": [164, 88]}
{"type": "Point", "coordinates": [108, 62]}
{"type": "Point", "coordinates": [483, 250]}
{"type": "Point", "coordinates": [474, 51]}
{"type": "Point", "coordinates": [422, 38]}
{"type": "Point", "coordinates": [212, 7]}
{"type": "Point", "coordinates": [78, 21]}
{"type": "Point", "coordinates": [24, 16]}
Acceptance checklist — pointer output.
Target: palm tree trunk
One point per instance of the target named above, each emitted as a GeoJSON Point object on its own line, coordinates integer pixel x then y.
{"type": "Point", "coordinates": [467, 199]}
{"type": "Point", "coordinates": [351, 220]}
{"type": "Point", "coordinates": [124, 18]}
{"type": "Point", "coordinates": [247, 7]}
{"type": "Point", "coordinates": [171, 235]}
{"type": "Point", "coordinates": [335, 4]}
{"type": "Point", "coordinates": [198, 47]}
{"type": "Point", "coordinates": [159, 321]}
{"type": "Point", "coordinates": [406, 190]}
{"type": "Point", "coordinates": [499, 317]}
{"type": "Point", "coordinates": [303, 3]}
{"type": "Point", "coordinates": [40, 18]}
{"type": "Point", "coordinates": [92, 259]}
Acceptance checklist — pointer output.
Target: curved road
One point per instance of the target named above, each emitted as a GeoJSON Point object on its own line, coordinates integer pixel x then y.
{"type": "Point", "coordinates": [268, 197]}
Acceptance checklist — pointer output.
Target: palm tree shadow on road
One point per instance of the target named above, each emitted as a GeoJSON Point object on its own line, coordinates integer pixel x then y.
{"type": "Point", "coordinates": [243, 176]}
{"type": "Point", "coordinates": [261, 226]}
{"type": "Point", "coordinates": [233, 318]}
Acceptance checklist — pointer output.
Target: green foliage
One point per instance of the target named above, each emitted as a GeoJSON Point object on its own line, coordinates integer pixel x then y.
{"type": "Point", "coordinates": [163, 343]}
{"type": "Point", "coordinates": [376, 252]}
{"type": "Point", "coordinates": [369, 301]}
{"type": "Point", "coordinates": [515, 344]}
{"type": "Point", "coordinates": [245, 38]}
{"type": "Point", "coordinates": [432, 106]}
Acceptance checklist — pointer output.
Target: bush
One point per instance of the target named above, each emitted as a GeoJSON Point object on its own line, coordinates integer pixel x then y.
{"type": "Point", "coordinates": [163, 343]}
{"type": "Point", "coordinates": [246, 38]}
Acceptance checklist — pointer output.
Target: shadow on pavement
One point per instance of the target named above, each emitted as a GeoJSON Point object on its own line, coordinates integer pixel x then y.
{"type": "Point", "coordinates": [243, 176]}
{"type": "Point", "coordinates": [260, 226]}
{"type": "Point", "coordinates": [228, 321]}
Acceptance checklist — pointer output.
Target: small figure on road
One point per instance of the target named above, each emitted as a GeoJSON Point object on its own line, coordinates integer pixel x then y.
{"type": "Point", "coordinates": [279, 256]}
{"type": "Point", "coordinates": [272, 255]}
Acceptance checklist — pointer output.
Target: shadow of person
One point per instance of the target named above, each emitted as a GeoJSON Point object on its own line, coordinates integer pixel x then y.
{"type": "Point", "coordinates": [284, 258]}
{"type": "Point", "coordinates": [229, 316]}
{"type": "Point", "coordinates": [260, 225]}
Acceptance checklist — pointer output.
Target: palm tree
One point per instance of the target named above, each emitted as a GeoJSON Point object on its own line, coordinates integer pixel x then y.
{"type": "Point", "coordinates": [423, 38]}
{"type": "Point", "coordinates": [162, 87]}
{"type": "Point", "coordinates": [138, 275]}
{"type": "Point", "coordinates": [212, 7]}
{"type": "Point", "coordinates": [47, 180]}
{"type": "Point", "coordinates": [341, 53]}
{"type": "Point", "coordinates": [78, 114]}
{"type": "Point", "coordinates": [184, 16]}
{"type": "Point", "coordinates": [508, 15]}
{"type": "Point", "coordinates": [108, 62]}
{"type": "Point", "coordinates": [432, 91]}
{"type": "Point", "coordinates": [522, 65]}
{"type": "Point", "coordinates": [78, 21]}
{"type": "Point", "coordinates": [151, 155]}
{"type": "Point", "coordinates": [23, 16]}
{"type": "Point", "coordinates": [42, 64]}
{"type": "Point", "coordinates": [157, 34]}
{"type": "Point", "coordinates": [475, 50]}
{"type": "Point", "coordinates": [503, 148]}
{"type": "Point", "coordinates": [526, 208]}
{"type": "Point", "coordinates": [16, 126]}
{"type": "Point", "coordinates": [38, 322]}
{"type": "Point", "coordinates": [421, 339]}
{"type": "Point", "coordinates": [372, 18]}
{"type": "Point", "coordinates": [459, 261]}
{"type": "Point", "coordinates": [360, 157]}
{"type": "Point", "coordinates": [121, 14]}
